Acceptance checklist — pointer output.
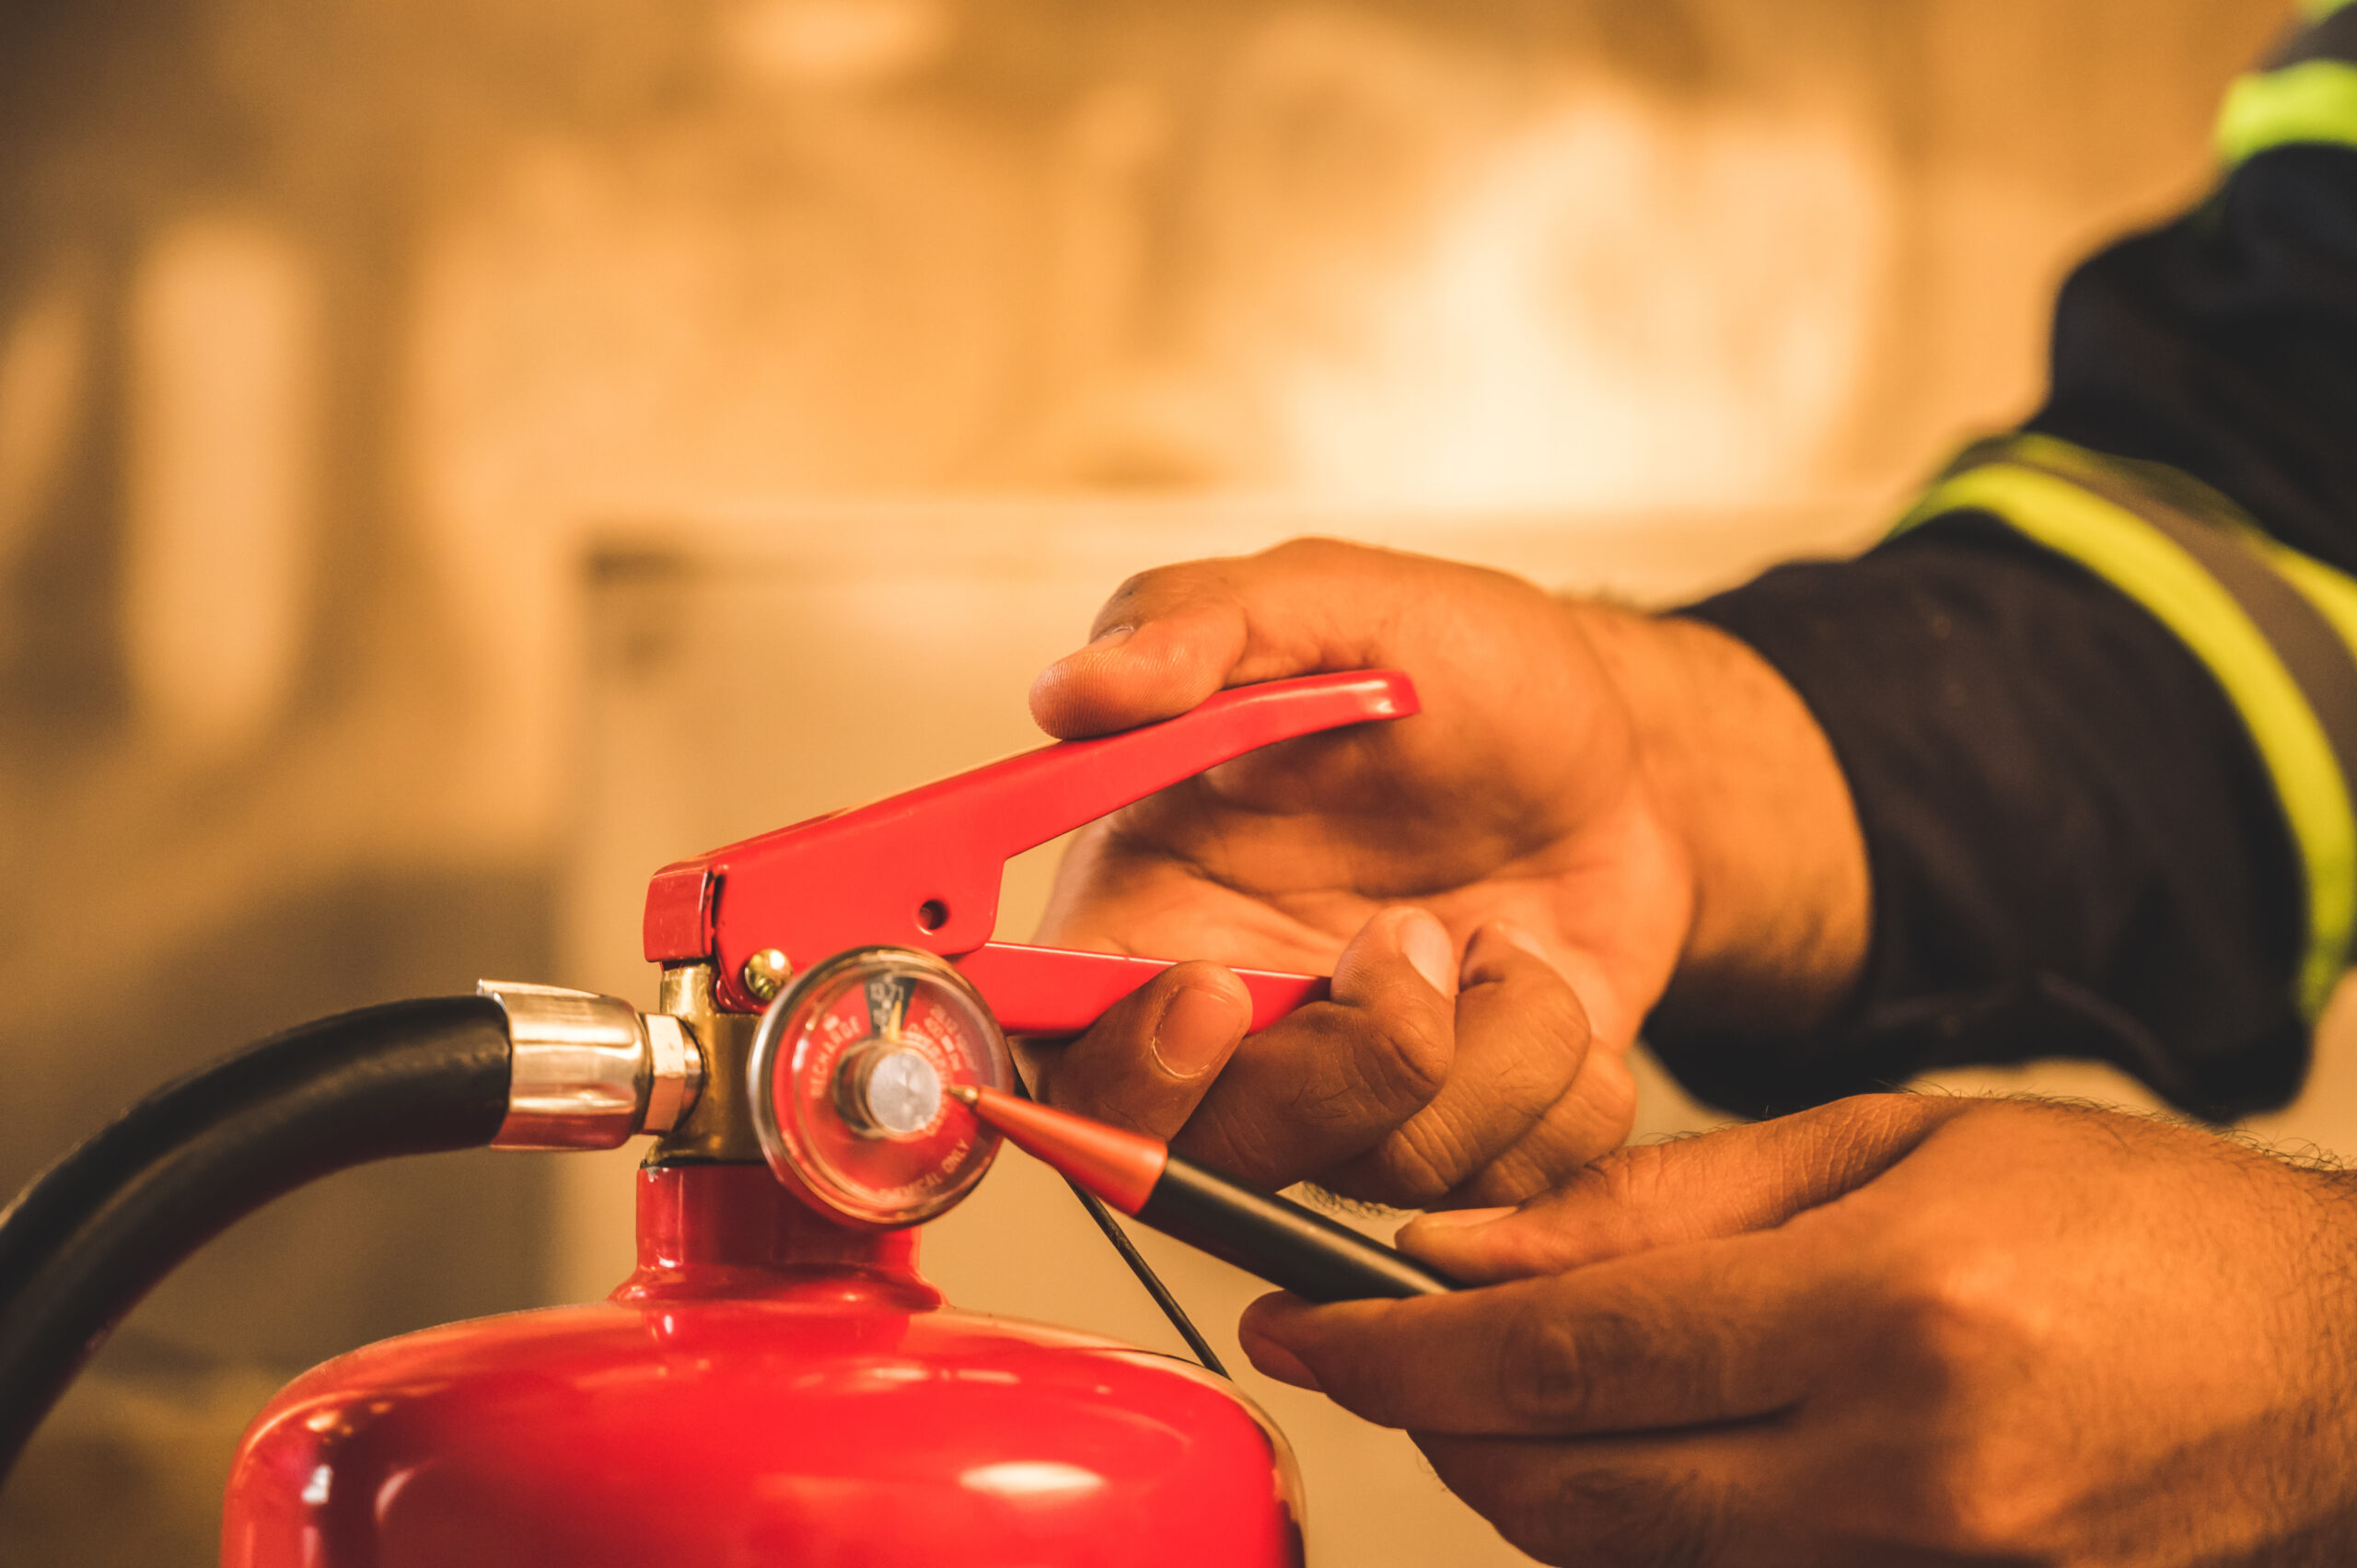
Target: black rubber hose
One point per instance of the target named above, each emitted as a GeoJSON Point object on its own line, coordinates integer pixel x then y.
{"type": "Point", "coordinates": [95, 1232]}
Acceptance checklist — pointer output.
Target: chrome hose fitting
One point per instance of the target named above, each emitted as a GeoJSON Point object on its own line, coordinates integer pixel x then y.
{"type": "Point", "coordinates": [590, 1071]}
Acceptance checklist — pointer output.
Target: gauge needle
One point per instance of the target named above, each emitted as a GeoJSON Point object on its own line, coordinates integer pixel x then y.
{"type": "Point", "coordinates": [888, 1005]}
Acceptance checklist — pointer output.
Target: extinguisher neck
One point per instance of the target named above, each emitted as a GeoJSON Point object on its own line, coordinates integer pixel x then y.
{"type": "Point", "coordinates": [708, 1230]}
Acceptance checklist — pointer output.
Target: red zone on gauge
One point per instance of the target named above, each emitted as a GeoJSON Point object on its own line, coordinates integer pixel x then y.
{"type": "Point", "coordinates": [923, 869]}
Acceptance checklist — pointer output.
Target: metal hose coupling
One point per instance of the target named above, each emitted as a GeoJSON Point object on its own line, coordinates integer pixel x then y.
{"type": "Point", "coordinates": [590, 1071]}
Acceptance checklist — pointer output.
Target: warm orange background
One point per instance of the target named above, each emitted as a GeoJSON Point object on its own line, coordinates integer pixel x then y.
{"type": "Point", "coordinates": [457, 454]}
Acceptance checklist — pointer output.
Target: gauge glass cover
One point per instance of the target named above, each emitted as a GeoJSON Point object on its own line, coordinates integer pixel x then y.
{"type": "Point", "coordinates": [848, 1071]}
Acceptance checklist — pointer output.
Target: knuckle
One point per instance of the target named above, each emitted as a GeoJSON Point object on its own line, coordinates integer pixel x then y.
{"type": "Point", "coordinates": [1578, 1154]}
{"type": "Point", "coordinates": [1469, 1129]}
{"type": "Point", "coordinates": [1403, 1172]}
{"type": "Point", "coordinates": [1949, 1308]}
{"type": "Point", "coordinates": [1549, 1007]}
{"type": "Point", "coordinates": [1343, 1089]}
{"type": "Point", "coordinates": [1243, 1140]}
{"type": "Point", "coordinates": [1543, 1373]}
{"type": "Point", "coordinates": [1361, 1068]}
{"type": "Point", "coordinates": [1161, 588]}
{"type": "Point", "coordinates": [1964, 1495]}
{"type": "Point", "coordinates": [1137, 584]}
{"type": "Point", "coordinates": [1312, 550]}
{"type": "Point", "coordinates": [1407, 1060]}
{"type": "Point", "coordinates": [1953, 1323]}
{"type": "Point", "coordinates": [1630, 1179]}
{"type": "Point", "coordinates": [1535, 1164]}
{"type": "Point", "coordinates": [1528, 1084]}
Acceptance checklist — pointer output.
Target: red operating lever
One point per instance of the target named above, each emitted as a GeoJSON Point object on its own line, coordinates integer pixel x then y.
{"type": "Point", "coordinates": [922, 869]}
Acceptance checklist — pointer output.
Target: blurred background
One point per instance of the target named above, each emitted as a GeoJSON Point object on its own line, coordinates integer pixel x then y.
{"type": "Point", "coordinates": [455, 456]}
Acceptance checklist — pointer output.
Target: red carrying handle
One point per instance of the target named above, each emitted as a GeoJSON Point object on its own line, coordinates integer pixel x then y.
{"type": "Point", "coordinates": [923, 869]}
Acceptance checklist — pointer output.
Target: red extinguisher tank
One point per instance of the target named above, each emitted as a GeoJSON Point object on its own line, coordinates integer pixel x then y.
{"type": "Point", "coordinates": [768, 1388]}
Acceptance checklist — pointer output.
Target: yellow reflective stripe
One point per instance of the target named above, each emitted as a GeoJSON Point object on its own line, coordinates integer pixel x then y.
{"type": "Point", "coordinates": [2152, 569]}
{"type": "Point", "coordinates": [2334, 597]}
{"type": "Point", "coordinates": [2317, 10]}
{"type": "Point", "coordinates": [2315, 101]}
{"type": "Point", "coordinates": [2333, 593]}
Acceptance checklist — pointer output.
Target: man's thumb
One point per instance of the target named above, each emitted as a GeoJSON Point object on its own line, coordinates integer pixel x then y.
{"type": "Point", "coordinates": [1157, 651]}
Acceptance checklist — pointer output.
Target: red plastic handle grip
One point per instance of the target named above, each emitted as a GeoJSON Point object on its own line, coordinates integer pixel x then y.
{"type": "Point", "coordinates": [922, 869]}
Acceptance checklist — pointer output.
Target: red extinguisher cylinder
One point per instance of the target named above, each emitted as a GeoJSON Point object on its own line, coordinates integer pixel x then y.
{"type": "Point", "coordinates": [766, 1388]}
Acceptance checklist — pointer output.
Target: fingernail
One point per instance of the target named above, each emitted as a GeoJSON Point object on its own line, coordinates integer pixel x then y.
{"type": "Point", "coordinates": [1111, 637]}
{"type": "Point", "coordinates": [1197, 1030]}
{"type": "Point", "coordinates": [1458, 1219]}
{"type": "Point", "coordinates": [1520, 938]}
{"type": "Point", "coordinates": [1425, 942]}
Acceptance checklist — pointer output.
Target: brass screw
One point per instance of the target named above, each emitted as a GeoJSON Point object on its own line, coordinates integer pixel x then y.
{"type": "Point", "coordinates": [765, 974]}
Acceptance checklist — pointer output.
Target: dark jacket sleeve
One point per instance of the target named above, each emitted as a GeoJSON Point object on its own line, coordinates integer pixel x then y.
{"type": "Point", "coordinates": [2098, 705]}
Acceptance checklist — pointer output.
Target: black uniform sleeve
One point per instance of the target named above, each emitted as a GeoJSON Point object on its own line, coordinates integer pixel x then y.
{"type": "Point", "coordinates": [2096, 701]}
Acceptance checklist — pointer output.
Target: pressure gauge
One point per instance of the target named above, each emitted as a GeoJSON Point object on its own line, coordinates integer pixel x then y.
{"type": "Point", "coordinates": [850, 1069]}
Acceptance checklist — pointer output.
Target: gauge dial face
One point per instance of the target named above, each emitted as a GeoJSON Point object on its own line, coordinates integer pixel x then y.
{"type": "Point", "coordinates": [850, 1070]}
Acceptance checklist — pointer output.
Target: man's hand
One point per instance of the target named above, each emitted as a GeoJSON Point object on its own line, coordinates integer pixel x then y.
{"type": "Point", "coordinates": [1590, 802]}
{"type": "Point", "coordinates": [1888, 1331]}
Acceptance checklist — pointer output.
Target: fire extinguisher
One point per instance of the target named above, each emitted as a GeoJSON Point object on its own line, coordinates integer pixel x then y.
{"type": "Point", "coordinates": [775, 1383]}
